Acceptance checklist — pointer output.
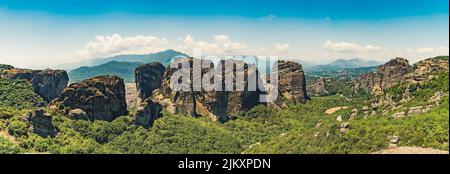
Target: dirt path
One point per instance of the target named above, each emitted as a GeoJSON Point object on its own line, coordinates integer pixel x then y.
{"type": "Point", "coordinates": [412, 150]}
{"type": "Point", "coordinates": [8, 137]}
{"type": "Point", "coordinates": [334, 109]}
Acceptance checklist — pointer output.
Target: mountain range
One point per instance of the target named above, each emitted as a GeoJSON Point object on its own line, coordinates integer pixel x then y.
{"type": "Point", "coordinates": [121, 65]}
{"type": "Point", "coordinates": [343, 64]}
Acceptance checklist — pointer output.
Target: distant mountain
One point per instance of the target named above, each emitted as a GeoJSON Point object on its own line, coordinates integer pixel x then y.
{"type": "Point", "coordinates": [121, 69]}
{"type": "Point", "coordinates": [163, 57]}
{"type": "Point", "coordinates": [121, 65]}
{"type": "Point", "coordinates": [344, 64]}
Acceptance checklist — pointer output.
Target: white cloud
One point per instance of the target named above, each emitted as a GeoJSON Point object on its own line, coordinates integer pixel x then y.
{"type": "Point", "coordinates": [425, 50]}
{"type": "Point", "coordinates": [222, 45]}
{"type": "Point", "coordinates": [115, 44]}
{"type": "Point", "coordinates": [281, 48]}
{"type": "Point", "coordinates": [442, 51]}
{"type": "Point", "coordinates": [434, 51]}
{"type": "Point", "coordinates": [349, 48]}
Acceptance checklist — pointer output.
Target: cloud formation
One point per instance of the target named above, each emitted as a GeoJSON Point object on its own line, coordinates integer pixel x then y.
{"type": "Point", "coordinates": [104, 46]}
{"type": "Point", "coordinates": [349, 48]}
{"type": "Point", "coordinates": [281, 48]}
{"type": "Point", "coordinates": [431, 50]}
{"type": "Point", "coordinates": [222, 45]}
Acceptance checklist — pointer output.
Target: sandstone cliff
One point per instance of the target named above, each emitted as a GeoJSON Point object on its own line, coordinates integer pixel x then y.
{"type": "Point", "coordinates": [217, 105]}
{"type": "Point", "coordinates": [398, 71]}
{"type": "Point", "coordinates": [148, 78]}
{"type": "Point", "coordinates": [291, 82]}
{"type": "Point", "coordinates": [40, 123]}
{"type": "Point", "coordinates": [46, 83]}
{"type": "Point", "coordinates": [101, 98]}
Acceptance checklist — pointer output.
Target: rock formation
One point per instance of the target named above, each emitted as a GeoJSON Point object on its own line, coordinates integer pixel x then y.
{"type": "Point", "coordinates": [215, 99]}
{"type": "Point", "coordinates": [46, 83]}
{"type": "Point", "coordinates": [398, 71]}
{"type": "Point", "coordinates": [101, 98]}
{"type": "Point", "coordinates": [147, 113]}
{"type": "Point", "coordinates": [318, 88]}
{"type": "Point", "coordinates": [291, 81]}
{"type": "Point", "coordinates": [40, 123]}
{"type": "Point", "coordinates": [49, 83]}
{"type": "Point", "coordinates": [217, 105]}
{"type": "Point", "coordinates": [148, 78]}
{"type": "Point", "coordinates": [387, 75]}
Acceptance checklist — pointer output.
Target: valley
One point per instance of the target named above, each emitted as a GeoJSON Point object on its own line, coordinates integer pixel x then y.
{"type": "Point", "coordinates": [391, 108]}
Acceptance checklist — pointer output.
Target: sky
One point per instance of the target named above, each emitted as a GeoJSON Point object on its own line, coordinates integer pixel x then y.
{"type": "Point", "coordinates": [47, 33]}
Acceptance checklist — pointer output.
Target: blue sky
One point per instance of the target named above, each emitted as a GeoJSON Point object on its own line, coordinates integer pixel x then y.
{"type": "Point", "coordinates": [55, 31]}
{"type": "Point", "coordinates": [345, 9]}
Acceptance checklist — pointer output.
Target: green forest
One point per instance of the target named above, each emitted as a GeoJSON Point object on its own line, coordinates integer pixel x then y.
{"type": "Point", "coordinates": [297, 128]}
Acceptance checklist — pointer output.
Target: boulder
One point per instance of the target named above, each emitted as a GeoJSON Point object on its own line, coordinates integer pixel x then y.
{"type": "Point", "coordinates": [354, 114]}
{"type": "Point", "coordinates": [415, 110]}
{"type": "Point", "coordinates": [101, 98]}
{"type": "Point", "coordinates": [339, 118]}
{"type": "Point", "coordinates": [148, 78]}
{"type": "Point", "coordinates": [398, 115]}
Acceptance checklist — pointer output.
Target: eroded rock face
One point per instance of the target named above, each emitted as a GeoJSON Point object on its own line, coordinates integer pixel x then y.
{"type": "Point", "coordinates": [398, 71]}
{"type": "Point", "coordinates": [291, 81]}
{"type": "Point", "coordinates": [46, 83]}
{"type": "Point", "coordinates": [147, 113]}
{"type": "Point", "coordinates": [101, 98]}
{"type": "Point", "coordinates": [391, 73]}
{"type": "Point", "coordinates": [41, 123]}
{"type": "Point", "coordinates": [148, 78]}
{"type": "Point", "coordinates": [217, 105]}
{"type": "Point", "coordinates": [387, 75]}
{"type": "Point", "coordinates": [49, 83]}
{"type": "Point", "coordinates": [318, 88]}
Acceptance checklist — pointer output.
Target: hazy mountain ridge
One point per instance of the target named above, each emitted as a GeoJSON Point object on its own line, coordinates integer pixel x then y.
{"type": "Point", "coordinates": [163, 57]}
{"type": "Point", "coordinates": [122, 69]}
{"type": "Point", "coordinates": [345, 64]}
{"type": "Point", "coordinates": [124, 65]}
{"type": "Point", "coordinates": [121, 65]}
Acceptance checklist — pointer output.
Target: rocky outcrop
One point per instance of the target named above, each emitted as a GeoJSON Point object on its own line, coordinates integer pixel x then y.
{"type": "Point", "coordinates": [318, 88]}
{"type": "Point", "coordinates": [46, 83]}
{"type": "Point", "coordinates": [101, 98]}
{"type": "Point", "coordinates": [398, 115]}
{"type": "Point", "coordinates": [148, 78]}
{"type": "Point", "coordinates": [291, 81]}
{"type": "Point", "coordinates": [40, 123]}
{"type": "Point", "coordinates": [398, 71]}
{"type": "Point", "coordinates": [49, 83]}
{"type": "Point", "coordinates": [147, 113]}
{"type": "Point", "coordinates": [387, 75]}
{"type": "Point", "coordinates": [216, 104]}
{"type": "Point", "coordinates": [405, 78]}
